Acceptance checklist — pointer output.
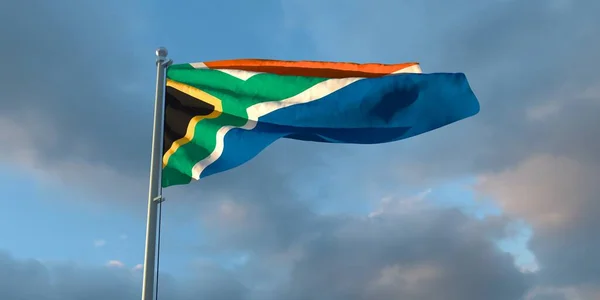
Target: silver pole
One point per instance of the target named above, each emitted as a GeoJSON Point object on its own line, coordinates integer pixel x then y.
{"type": "Point", "coordinates": [155, 188]}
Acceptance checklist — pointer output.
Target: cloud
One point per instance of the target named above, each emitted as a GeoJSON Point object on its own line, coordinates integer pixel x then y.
{"type": "Point", "coordinates": [533, 65]}
{"type": "Point", "coordinates": [423, 253]}
{"type": "Point", "coordinates": [138, 267]}
{"type": "Point", "coordinates": [115, 264]}
{"type": "Point", "coordinates": [430, 253]}
{"type": "Point", "coordinates": [31, 279]}
{"type": "Point", "coordinates": [409, 256]}
{"type": "Point", "coordinates": [99, 243]}
{"type": "Point", "coordinates": [550, 192]}
{"type": "Point", "coordinates": [75, 107]}
{"type": "Point", "coordinates": [65, 83]}
{"type": "Point", "coordinates": [510, 80]}
{"type": "Point", "coordinates": [571, 293]}
{"type": "Point", "coordinates": [406, 206]}
{"type": "Point", "coordinates": [558, 197]}
{"type": "Point", "coordinates": [514, 63]}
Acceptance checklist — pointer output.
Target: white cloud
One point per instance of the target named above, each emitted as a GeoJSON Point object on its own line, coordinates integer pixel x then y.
{"type": "Point", "coordinates": [115, 263]}
{"type": "Point", "coordinates": [99, 243]}
{"type": "Point", "coordinates": [408, 277]}
{"type": "Point", "coordinates": [573, 292]}
{"type": "Point", "coordinates": [543, 111]}
{"type": "Point", "coordinates": [391, 205]}
{"type": "Point", "coordinates": [546, 190]}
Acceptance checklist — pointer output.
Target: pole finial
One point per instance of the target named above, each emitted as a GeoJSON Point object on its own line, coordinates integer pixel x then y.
{"type": "Point", "coordinates": [161, 53]}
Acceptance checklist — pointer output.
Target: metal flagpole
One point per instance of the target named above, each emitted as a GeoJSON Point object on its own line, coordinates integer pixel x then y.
{"type": "Point", "coordinates": [155, 188]}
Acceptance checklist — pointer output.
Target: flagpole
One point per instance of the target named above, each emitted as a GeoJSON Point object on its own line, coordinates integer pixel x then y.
{"type": "Point", "coordinates": [155, 187]}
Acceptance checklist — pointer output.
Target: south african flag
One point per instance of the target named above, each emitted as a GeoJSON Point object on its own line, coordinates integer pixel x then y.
{"type": "Point", "coordinates": [220, 114]}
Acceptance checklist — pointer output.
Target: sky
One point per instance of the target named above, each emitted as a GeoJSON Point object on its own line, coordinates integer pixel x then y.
{"type": "Point", "coordinates": [501, 206]}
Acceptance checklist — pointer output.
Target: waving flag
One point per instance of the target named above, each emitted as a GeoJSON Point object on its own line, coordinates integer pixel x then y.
{"type": "Point", "coordinates": [219, 115]}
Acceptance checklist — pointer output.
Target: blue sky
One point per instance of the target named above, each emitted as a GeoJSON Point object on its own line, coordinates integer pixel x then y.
{"type": "Point", "coordinates": [433, 216]}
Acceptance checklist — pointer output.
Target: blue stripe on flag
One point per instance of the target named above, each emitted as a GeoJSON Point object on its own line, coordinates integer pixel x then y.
{"type": "Point", "coordinates": [369, 111]}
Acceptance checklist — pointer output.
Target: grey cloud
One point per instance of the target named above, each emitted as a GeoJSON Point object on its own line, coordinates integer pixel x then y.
{"type": "Point", "coordinates": [422, 253]}
{"type": "Point", "coordinates": [507, 50]}
{"type": "Point", "coordinates": [518, 55]}
{"type": "Point", "coordinates": [534, 66]}
{"type": "Point", "coordinates": [569, 293]}
{"type": "Point", "coordinates": [408, 250]}
{"type": "Point", "coordinates": [524, 55]}
{"type": "Point", "coordinates": [547, 167]}
{"type": "Point", "coordinates": [558, 196]}
{"type": "Point", "coordinates": [544, 169]}
{"type": "Point", "coordinates": [432, 255]}
{"type": "Point", "coordinates": [76, 91]}
{"type": "Point", "coordinates": [74, 82]}
{"type": "Point", "coordinates": [32, 279]}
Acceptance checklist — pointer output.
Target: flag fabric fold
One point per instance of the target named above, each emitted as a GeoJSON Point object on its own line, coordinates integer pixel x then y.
{"type": "Point", "coordinates": [219, 115]}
